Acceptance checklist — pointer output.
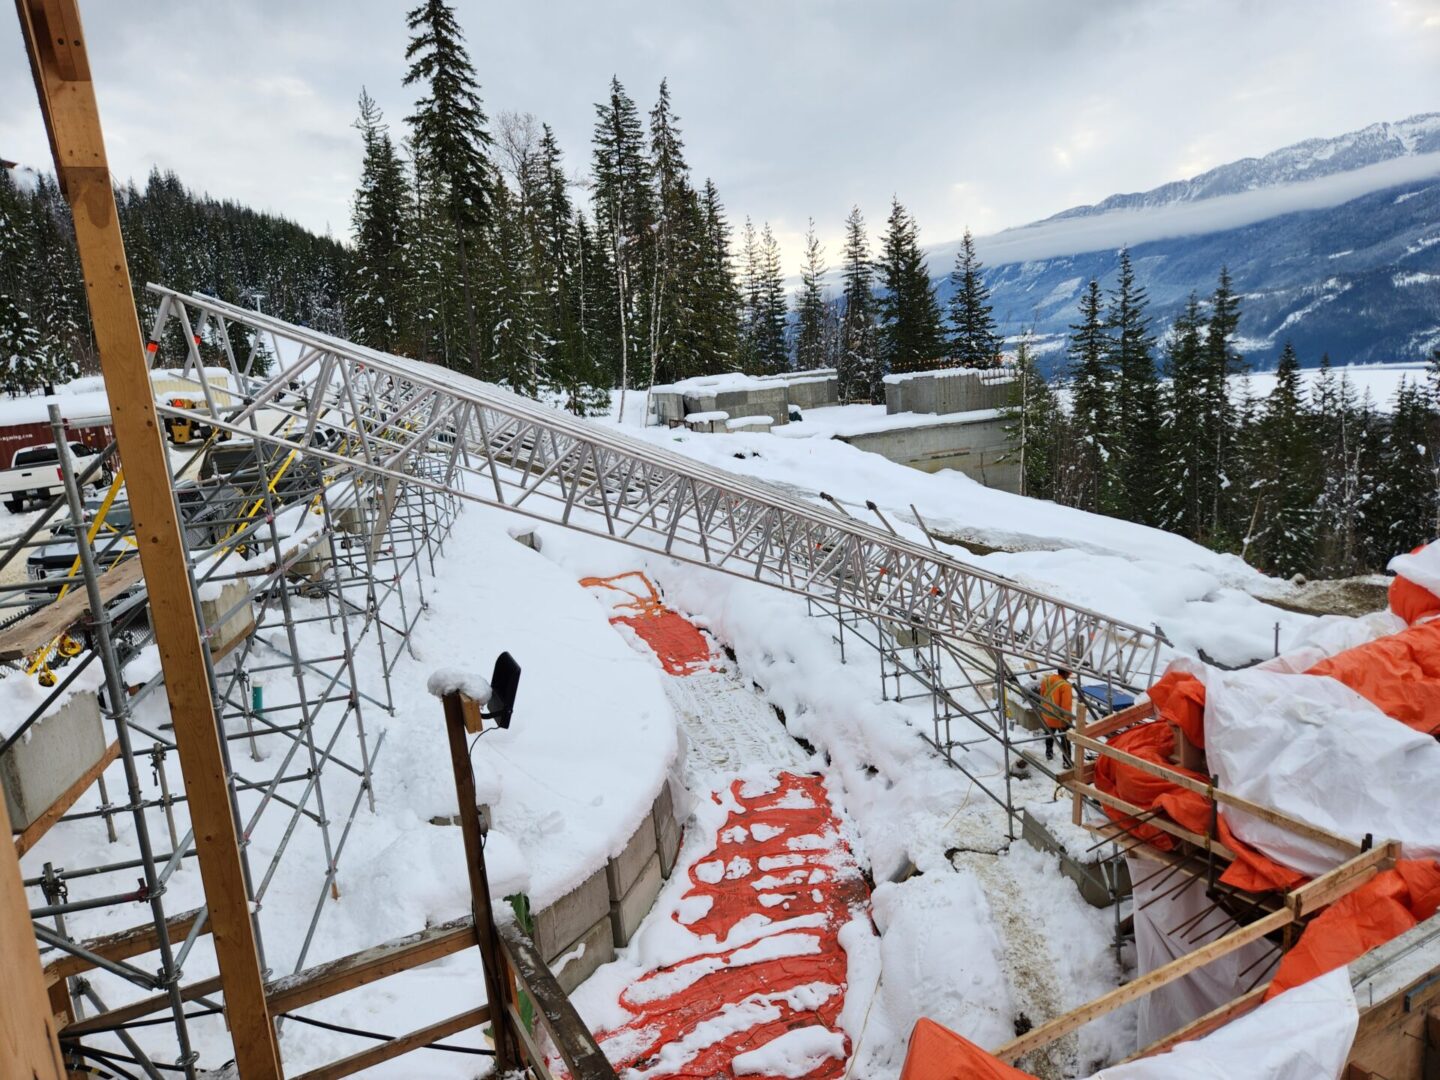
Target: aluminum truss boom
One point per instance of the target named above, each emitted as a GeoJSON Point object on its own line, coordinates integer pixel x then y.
{"type": "Point", "coordinates": [388, 416]}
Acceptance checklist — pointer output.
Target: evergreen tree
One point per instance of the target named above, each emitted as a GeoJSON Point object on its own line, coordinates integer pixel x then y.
{"type": "Point", "coordinates": [860, 374]}
{"type": "Point", "coordinates": [1034, 426]}
{"type": "Point", "coordinates": [1136, 404]}
{"type": "Point", "coordinates": [811, 308]}
{"type": "Point", "coordinates": [21, 369]}
{"type": "Point", "coordinates": [451, 143]}
{"type": "Point", "coordinates": [1406, 484]}
{"type": "Point", "coordinates": [1092, 392]}
{"type": "Point", "coordinates": [377, 314]}
{"type": "Point", "coordinates": [763, 290]}
{"type": "Point", "coordinates": [910, 334]}
{"type": "Point", "coordinates": [1287, 483]}
{"type": "Point", "coordinates": [624, 216]}
{"type": "Point", "coordinates": [1219, 427]}
{"type": "Point", "coordinates": [717, 300]}
{"type": "Point", "coordinates": [584, 377]}
{"type": "Point", "coordinates": [1182, 440]}
{"type": "Point", "coordinates": [516, 345]}
{"type": "Point", "coordinates": [677, 238]}
{"type": "Point", "coordinates": [974, 342]}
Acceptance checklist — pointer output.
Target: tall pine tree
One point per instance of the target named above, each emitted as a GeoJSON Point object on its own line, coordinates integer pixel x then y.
{"type": "Point", "coordinates": [811, 308]}
{"type": "Point", "coordinates": [910, 334]}
{"type": "Point", "coordinates": [860, 374]}
{"type": "Point", "coordinates": [974, 342]}
{"type": "Point", "coordinates": [377, 309]}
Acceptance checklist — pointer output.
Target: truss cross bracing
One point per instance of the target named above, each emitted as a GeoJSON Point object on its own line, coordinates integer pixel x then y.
{"type": "Point", "coordinates": [386, 416]}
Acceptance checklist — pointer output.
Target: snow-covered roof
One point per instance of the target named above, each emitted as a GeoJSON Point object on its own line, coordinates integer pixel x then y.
{"type": "Point", "coordinates": [85, 399]}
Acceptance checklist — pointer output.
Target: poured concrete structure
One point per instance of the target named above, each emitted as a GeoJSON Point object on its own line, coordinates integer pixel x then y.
{"type": "Point", "coordinates": [741, 396]}
{"type": "Point", "coordinates": [53, 754]}
{"type": "Point", "coordinates": [948, 390]}
{"type": "Point", "coordinates": [975, 444]}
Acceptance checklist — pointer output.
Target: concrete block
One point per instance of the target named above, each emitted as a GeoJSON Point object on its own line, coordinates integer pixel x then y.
{"type": "Point", "coordinates": [626, 914]}
{"type": "Point", "coordinates": [564, 922]}
{"type": "Point", "coordinates": [667, 830]}
{"type": "Point", "coordinates": [622, 871]}
{"type": "Point", "coordinates": [668, 407]}
{"type": "Point", "coordinates": [229, 619]}
{"type": "Point", "coordinates": [700, 402]}
{"type": "Point", "coordinates": [580, 961]}
{"type": "Point", "coordinates": [57, 751]}
{"type": "Point", "coordinates": [756, 423]}
{"type": "Point", "coordinates": [1095, 880]}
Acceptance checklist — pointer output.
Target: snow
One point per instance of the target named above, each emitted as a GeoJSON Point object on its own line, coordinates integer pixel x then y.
{"type": "Point", "coordinates": [795, 1053]}
{"type": "Point", "coordinates": [839, 421]}
{"type": "Point", "coordinates": [706, 417]}
{"type": "Point", "coordinates": [85, 398]}
{"type": "Point", "coordinates": [739, 423]}
{"type": "Point", "coordinates": [444, 681]}
{"type": "Point", "coordinates": [1422, 567]}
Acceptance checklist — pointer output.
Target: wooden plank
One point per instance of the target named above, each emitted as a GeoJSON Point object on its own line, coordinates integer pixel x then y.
{"type": "Point", "coordinates": [34, 632]}
{"type": "Point", "coordinates": [1329, 887]}
{"type": "Point", "coordinates": [582, 1055]}
{"type": "Point", "coordinates": [1135, 714]}
{"type": "Point", "coordinates": [61, 806]}
{"type": "Point", "coordinates": [1300, 828]}
{"type": "Point", "coordinates": [403, 1044]}
{"type": "Point", "coordinates": [122, 945]}
{"type": "Point", "coordinates": [1161, 823]}
{"type": "Point", "coordinates": [72, 120]}
{"type": "Point", "coordinates": [1051, 1030]}
{"type": "Point", "coordinates": [506, 1050]}
{"type": "Point", "coordinates": [29, 1046]}
{"type": "Point", "coordinates": [123, 1014]}
{"type": "Point", "coordinates": [370, 965]}
{"type": "Point", "coordinates": [1211, 1021]}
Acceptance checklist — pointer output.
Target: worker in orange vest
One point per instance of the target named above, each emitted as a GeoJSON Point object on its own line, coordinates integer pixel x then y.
{"type": "Point", "coordinates": [1057, 709]}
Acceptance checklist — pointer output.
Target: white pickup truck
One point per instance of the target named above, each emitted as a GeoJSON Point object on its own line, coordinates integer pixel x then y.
{"type": "Point", "coordinates": [34, 473]}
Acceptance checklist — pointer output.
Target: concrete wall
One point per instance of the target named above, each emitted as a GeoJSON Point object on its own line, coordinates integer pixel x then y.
{"type": "Point", "coordinates": [972, 447]}
{"type": "Point", "coordinates": [771, 396]}
{"type": "Point", "coordinates": [946, 392]}
{"type": "Point", "coordinates": [603, 912]}
{"type": "Point", "coordinates": [56, 751]}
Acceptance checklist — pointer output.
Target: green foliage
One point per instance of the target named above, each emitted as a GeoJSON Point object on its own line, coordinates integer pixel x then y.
{"type": "Point", "coordinates": [910, 336]}
{"type": "Point", "coordinates": [974, 342]}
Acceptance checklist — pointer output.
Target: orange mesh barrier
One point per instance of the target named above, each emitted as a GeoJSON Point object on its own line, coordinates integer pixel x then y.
{"type": "Point", "coordinates": [678, 643]}
{"type": "Point", "coordinates": [780, 856]}
{"type": "Point", "coordinates": [937, 1053]}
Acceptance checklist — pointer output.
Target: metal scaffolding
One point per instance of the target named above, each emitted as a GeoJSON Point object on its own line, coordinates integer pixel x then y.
{"type": "Point", "coordinates": [315, 511]}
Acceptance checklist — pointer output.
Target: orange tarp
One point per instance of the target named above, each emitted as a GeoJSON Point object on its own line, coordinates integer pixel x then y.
{"type": "Point", "coordinates": [1384, 907]}
{"type": "Point", "coordinates": [937, 1053]}
{"type": "Point", "coordinates": [1399, 674]}
{"type": "Point", "coordinates": [1410, 601]}
{"type": "Point", "coordinates": [1180, 699]}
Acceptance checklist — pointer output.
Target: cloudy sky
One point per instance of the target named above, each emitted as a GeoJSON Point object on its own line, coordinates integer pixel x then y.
{"type": "Point", "coordinates": [980, 114]}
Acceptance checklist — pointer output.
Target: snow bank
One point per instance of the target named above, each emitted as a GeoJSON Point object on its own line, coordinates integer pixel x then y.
{"type": "Point", "coordinates": [943, 958]}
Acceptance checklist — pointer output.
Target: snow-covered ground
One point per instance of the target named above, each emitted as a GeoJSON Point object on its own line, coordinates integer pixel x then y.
{"type": "Point", "coordinates": [982, 930]}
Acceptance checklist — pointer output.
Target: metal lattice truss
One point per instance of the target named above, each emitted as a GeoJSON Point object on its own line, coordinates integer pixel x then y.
{"type": "Point", "coordinates": [393, 419]}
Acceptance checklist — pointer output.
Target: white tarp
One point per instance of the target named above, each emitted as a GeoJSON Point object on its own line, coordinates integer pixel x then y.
{"type": "Point", "coordinates": [1310, 747]}
{"type": "Point", "coordinates": [1422, 567]}
{"type": "Point", "coordinates": [1168, 927]}
{"type": "Point", "coordinates": [1304, 1034]}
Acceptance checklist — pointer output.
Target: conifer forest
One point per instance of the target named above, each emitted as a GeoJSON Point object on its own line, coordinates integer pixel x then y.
{"type": "Point", "coordinates": [475, 243]}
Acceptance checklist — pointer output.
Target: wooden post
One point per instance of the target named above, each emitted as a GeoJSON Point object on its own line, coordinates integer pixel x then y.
{"type": "Point", "coordinates": [28, 1044]}
{"type": "Point", "coordinates": [58, 59]}
{"type": "Point", "coordinates": [506, 1051]}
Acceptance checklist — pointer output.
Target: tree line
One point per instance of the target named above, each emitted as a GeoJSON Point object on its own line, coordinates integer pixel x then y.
{"type": "Point", "coordinates": [172, 236]}
{"type": "Point", "coordinates": [1166, 431]}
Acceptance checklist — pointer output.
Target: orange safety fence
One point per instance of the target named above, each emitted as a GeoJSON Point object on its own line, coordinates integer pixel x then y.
{"type": "Point", "coordinates": [675, 640]}
{"type": "Point", "coordinates": [779, 857]}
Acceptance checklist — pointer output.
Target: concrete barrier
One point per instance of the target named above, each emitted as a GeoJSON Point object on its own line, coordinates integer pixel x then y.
{"type": "Point", "coordinates": [980, 448]}
{"type": "Point", "coordinates": [950, 390]}
{"type": "Point", "coordinates": [228, 619]}
{"type": "Point", "coordinates": [56, 752]}
{"type": "Point", "coordinates": [1100, 882]}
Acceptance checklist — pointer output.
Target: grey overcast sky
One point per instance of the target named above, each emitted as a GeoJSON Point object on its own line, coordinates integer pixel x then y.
{"type": "Point", "coordinates": [980, 114]}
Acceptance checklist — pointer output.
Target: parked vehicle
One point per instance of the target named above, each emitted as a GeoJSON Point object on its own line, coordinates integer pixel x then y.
{"type": "Point", "coordinates": [35, 474]}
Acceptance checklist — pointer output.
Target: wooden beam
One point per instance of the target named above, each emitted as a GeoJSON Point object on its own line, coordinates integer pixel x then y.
{"type": "Point", "coordinates": [370, 965]}
{"type": "Point", "coordinates": [56, 46]}
{"type": "Point", "coordinates": [1345, 878]}
{"type": "Point", "coordinates": [29, 1046]}
{"type": "Point", "coordinates": [582, 1055]}
{"type": "Point", "coordinates": [123, 1014]}
{"type": "Point", "coordinates": [136, 941]}
{"type": "Point", "coordinates": [21, 638]}
{"type": "Point", "coordinates": [1135, 714]}
{"type": "Point", "coordinates": [1051, 1030]}
{"type": "Point", "coordinates": [1163, 824]}
{"type": "Point", "coordinates": [1211, 1021]}
{"type": "Point", "coordinates": [61, 806]}
{"type": "Point", "coordinates": [1274, 817]}
{"type": "Point", "coordinates": [506, 1051]}
{"type": "Point", "coordinates": [349, 1066]}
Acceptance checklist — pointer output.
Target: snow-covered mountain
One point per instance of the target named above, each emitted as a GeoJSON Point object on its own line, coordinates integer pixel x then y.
{"type": "Point", "coordinates": [1334, 244]}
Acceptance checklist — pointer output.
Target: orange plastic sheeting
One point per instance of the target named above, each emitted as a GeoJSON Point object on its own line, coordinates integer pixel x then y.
{"type": "Point", "coordinates": [1384, 907]}
{"type": "Point", "coordinates": [679, 644]}
{"type": "Point", "coordinates": [1399, 674]}
{"type": "Point", "coordinates": [1412, 602]}
{"type": "Point", "coordinates": [1155, 742]}
{"type": "Point", "coordinates": [779, 857]}
{"type": "Point", "coordinates": [937, 1053]}
{"type": "Point", "coordinates": [1180, 699]}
